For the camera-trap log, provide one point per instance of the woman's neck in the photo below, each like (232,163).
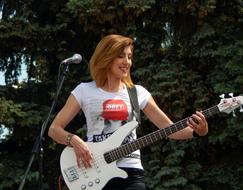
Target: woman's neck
(113,86)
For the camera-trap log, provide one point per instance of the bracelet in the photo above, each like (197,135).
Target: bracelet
(194,134)
(68,139)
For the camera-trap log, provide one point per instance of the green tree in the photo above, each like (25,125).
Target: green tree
(187,53)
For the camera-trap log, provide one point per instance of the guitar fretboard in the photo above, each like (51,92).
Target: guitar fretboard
(153,137)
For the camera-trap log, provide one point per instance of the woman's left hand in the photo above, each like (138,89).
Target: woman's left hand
(198,123)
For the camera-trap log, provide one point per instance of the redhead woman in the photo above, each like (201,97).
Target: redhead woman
(106,105)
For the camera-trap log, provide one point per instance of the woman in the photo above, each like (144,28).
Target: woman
(106,105)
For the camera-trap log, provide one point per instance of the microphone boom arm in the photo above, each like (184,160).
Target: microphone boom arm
(38,143)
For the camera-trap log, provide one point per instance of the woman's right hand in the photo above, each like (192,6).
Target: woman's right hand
(82,152)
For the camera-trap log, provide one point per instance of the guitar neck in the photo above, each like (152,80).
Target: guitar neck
(153,137)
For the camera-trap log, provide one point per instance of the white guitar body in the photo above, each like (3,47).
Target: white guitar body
(101,172)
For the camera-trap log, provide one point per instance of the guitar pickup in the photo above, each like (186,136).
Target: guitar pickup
(71,174)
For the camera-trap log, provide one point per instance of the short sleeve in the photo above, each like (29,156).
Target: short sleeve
(77,92)
(143,96)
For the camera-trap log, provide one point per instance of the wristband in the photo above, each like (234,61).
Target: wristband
(194,134)
(68,139)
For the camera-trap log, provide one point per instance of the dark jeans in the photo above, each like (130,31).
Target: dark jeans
(134,181)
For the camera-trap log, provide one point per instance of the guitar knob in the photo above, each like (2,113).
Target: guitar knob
(97,180)
(231,94)
(222,96)
(241,109)
(90,184)
(83,187)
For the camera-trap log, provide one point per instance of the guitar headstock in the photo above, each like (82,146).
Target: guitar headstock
(228,105)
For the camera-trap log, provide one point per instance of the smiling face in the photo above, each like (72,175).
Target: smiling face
(111,60)
(121,65)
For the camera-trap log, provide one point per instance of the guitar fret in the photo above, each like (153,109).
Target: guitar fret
(151,140)
(113,156)
(151,137)
(208,113)
(176,126)
(134,146)
(157,137)
(142,143)
(167,131)
(124,151)
(116,157)
(170,130)
(173,128)
(109,157)
(162,133)
(119,153)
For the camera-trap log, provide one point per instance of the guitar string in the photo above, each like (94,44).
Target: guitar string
(119,152)
(97,163)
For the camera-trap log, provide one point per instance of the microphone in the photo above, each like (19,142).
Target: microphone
(76,58)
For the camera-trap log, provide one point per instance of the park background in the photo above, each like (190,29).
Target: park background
(187,53)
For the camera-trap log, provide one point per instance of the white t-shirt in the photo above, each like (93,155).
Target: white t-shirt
(106,111)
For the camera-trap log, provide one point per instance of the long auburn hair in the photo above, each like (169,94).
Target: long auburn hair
(110,47)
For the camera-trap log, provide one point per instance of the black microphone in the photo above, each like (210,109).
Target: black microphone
(76,58)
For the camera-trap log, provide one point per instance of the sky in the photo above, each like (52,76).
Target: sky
(21,77)
(2,78)
(1,73)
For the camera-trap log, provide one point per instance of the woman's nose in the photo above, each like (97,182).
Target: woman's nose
(127,61)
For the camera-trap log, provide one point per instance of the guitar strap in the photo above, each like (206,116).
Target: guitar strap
(132,92)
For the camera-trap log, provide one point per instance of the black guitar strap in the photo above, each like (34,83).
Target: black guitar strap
(132,92)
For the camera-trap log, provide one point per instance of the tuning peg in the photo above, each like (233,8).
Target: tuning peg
(222,96)
(233,112)
(241,109)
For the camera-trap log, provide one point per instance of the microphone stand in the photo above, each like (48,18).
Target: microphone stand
(38,143)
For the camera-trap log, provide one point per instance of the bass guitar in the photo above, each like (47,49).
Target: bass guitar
(107,152)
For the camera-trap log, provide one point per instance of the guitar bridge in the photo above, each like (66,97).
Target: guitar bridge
(71,174)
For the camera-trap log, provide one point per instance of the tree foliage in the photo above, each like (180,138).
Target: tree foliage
(187,53)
